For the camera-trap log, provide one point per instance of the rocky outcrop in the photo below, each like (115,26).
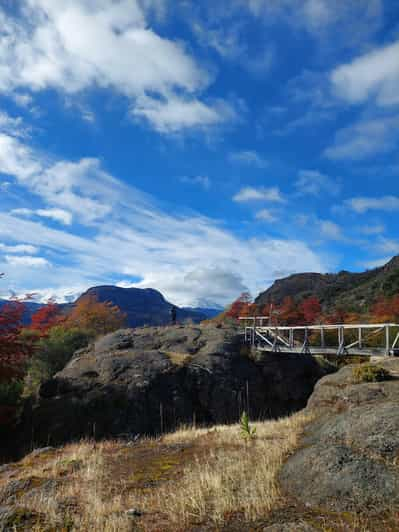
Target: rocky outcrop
(149,380)
(348,459)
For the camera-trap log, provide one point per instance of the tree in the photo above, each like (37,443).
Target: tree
(310,308)
(386,309)
(95,317)
(289,312)
(45,318)
(53,351)
(13,352)
(240,306)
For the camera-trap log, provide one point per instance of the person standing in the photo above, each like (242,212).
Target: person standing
(173,314)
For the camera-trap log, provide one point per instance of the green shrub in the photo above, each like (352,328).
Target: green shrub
(370,373)
(52,354)
(247,432)
(11,392)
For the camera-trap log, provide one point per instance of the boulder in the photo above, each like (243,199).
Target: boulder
(348,457)
(153,379)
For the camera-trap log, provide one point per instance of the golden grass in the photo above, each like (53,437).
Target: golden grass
(178,359)
(236,477)
(218,477)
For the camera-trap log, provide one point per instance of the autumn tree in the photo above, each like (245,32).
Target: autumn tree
(310,308)
(289,312)
(45,318)
(13,351)
(386,310)
(240,307)
(95,317)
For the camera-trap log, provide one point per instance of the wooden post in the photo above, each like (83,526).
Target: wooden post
(291,340)
(387,340)
(360,338)
(322,338)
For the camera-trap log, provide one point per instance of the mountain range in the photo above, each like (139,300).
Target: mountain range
(353,291)
(142,306)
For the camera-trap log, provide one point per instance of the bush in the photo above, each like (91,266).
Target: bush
(370,373)
(52,354)
(11,392)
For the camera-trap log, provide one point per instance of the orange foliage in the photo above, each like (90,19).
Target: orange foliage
(45,318)
(310,308)
(13,352)
(96,317)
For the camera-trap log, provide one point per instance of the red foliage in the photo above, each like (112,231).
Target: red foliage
(289,313)
(310,308)
(240,307)
(45,318)
(386,310)
(13,352)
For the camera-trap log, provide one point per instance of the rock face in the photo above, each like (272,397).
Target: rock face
(151,380)
(349,456)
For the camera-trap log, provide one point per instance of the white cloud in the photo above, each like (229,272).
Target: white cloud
(58,215)
(266,215)
(377,263)
(200,180)
(314,183)
(383,203)
(272,194)
(373,74)
(355,18)
(26,260)
(184,256)
(372,229)
(21,248)
(330,230)
(365,138)
(115,48)
(174,114)
(250,157)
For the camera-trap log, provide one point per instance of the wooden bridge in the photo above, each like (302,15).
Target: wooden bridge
(339,339)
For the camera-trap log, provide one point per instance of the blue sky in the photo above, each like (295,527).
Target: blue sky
(200,148)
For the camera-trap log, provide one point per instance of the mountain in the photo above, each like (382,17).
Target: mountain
(208,312)
(143,306)
(354,291)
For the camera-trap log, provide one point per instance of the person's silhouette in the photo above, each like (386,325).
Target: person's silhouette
(173,314)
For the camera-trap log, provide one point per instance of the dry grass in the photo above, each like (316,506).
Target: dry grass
(235,477)
(178,359)
(195,478)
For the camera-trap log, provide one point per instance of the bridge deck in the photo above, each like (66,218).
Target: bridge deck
(284,339)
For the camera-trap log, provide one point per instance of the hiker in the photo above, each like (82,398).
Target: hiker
(173,314)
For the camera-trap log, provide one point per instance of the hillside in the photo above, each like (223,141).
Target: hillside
(354,291)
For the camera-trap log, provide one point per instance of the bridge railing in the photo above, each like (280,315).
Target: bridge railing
(277,338)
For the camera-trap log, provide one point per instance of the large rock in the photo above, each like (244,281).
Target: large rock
(349,456)
(153,379)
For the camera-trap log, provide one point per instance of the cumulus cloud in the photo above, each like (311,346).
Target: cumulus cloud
(314,183)
(20,248)
(266,215)
(362,17)
(364,204)
(113,48)
(199,180)
(330,230)
(58,215)
(375,74)
(365,138)
(249,157)
(248,194)
(26,260)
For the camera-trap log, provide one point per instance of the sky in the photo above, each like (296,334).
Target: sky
(200,148)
